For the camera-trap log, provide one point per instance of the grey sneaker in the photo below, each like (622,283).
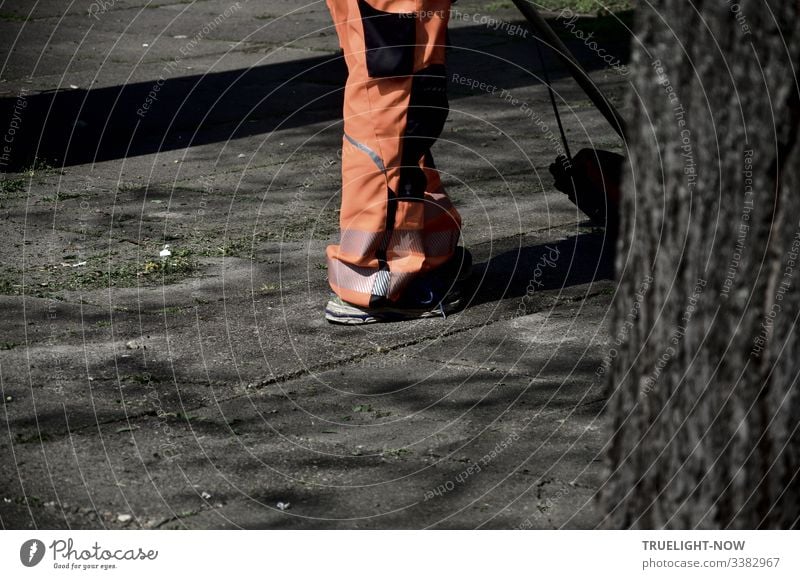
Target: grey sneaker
(436,294)
(338,311)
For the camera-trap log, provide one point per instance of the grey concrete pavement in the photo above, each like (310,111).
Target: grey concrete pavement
(202,390)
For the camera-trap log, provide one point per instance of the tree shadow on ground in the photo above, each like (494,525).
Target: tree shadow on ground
(79,126)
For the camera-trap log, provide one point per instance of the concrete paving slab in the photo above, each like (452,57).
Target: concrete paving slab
(204,388)
(287,442)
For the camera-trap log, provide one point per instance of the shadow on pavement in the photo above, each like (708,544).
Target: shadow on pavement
(577,260)
(74,127)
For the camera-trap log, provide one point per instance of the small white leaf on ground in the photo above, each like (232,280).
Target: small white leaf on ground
(165,252)
(124,518)
(205,495)
(283,506)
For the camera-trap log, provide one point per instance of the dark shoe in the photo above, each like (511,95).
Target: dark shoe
(458,267)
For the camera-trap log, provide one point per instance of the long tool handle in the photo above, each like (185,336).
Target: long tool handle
(539,25)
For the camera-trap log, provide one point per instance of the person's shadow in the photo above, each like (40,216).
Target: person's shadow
(577,260)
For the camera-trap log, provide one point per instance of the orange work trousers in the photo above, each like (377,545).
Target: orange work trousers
(396,220)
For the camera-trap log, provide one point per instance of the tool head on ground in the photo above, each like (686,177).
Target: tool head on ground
(591,179)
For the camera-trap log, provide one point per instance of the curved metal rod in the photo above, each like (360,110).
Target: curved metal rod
(540,26)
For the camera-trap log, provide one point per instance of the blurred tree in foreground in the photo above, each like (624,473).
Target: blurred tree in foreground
(704,356)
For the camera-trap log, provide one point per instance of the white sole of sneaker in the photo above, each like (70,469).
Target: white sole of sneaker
(338,313)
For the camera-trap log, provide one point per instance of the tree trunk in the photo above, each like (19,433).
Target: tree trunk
(704,356)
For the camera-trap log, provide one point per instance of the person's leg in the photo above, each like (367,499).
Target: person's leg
(442,221)
(396,221)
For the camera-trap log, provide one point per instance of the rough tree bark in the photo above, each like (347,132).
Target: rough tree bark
(704,356)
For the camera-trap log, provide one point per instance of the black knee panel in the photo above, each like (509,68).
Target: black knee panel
(428,106)
(427,112)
